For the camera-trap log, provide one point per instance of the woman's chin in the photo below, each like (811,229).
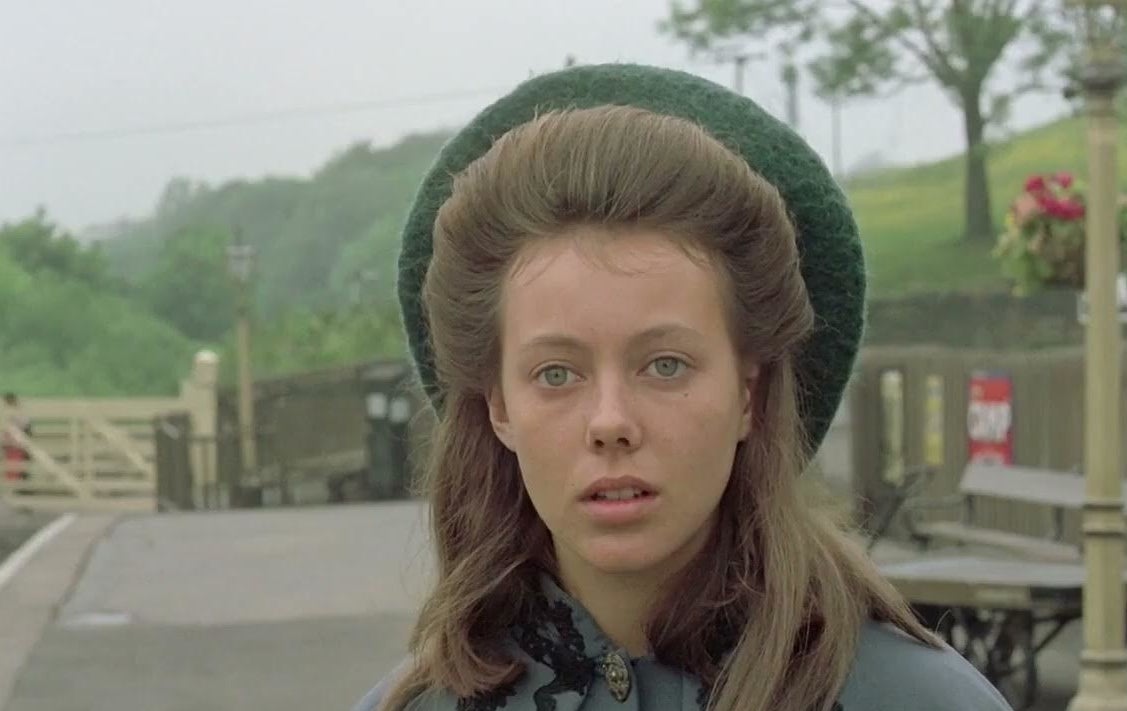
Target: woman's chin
(622,560)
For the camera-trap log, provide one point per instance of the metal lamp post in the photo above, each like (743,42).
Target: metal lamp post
(1103,663)
(240,261)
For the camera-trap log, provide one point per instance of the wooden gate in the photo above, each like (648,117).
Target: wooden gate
(88,455)
(99,453)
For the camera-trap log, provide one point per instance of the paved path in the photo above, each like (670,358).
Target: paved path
(16,527)
(282,609)
(285,609)
(31,594)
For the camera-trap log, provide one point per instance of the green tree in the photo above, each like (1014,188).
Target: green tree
(189,286)
(319,240)
(307,340)
(178,194)
(63,335)
(38,245)
(959,45)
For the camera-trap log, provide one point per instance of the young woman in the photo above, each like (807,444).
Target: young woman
(634,299)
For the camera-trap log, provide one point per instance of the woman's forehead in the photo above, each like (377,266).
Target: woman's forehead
(560,291)
(620,250)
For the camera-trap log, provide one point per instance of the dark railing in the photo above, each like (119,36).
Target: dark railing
(349,434)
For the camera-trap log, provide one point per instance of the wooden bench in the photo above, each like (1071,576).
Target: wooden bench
(1057,491)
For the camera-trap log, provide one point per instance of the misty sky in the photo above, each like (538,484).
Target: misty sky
(78,67)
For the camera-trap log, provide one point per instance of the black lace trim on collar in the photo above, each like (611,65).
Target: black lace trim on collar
(547,633)
(550,637)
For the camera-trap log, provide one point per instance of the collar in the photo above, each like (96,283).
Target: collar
(559,633)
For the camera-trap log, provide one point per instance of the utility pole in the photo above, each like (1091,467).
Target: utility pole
(790,81)
(835,109)
(740,62)
(739,59)
(241,263)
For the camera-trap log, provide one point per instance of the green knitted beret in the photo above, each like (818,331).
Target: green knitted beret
(832,262)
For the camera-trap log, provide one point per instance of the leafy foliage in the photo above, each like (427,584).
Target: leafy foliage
(305,340)
(189,286)
(38,245)
(710,25)
(318,241)
(64,330)
(325,267)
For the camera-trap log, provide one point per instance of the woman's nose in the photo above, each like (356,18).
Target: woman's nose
(612,424)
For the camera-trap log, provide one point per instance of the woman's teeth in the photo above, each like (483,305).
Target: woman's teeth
(619,494)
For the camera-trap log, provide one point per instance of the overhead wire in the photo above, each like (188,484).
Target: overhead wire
(247,119)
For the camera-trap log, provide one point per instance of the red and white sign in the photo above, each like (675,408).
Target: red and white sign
(990,431)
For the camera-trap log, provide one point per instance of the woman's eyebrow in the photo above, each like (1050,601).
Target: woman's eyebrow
(654,333)
(663,331)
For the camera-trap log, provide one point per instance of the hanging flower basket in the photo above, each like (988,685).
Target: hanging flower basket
(1043,244)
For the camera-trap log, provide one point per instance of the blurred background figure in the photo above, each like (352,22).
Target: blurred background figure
(13,419)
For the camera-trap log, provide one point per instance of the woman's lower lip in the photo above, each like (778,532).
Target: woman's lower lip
(619,511)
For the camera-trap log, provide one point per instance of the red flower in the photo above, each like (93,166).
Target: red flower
(1035,184)
(1073,210)
(1067,210)
(1064,180)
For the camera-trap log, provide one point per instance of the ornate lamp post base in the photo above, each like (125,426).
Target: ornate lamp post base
(1103,683)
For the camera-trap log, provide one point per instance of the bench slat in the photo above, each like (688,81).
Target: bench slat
(1038,547)
(1025,484)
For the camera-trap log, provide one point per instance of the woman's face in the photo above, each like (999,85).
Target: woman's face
(623,398)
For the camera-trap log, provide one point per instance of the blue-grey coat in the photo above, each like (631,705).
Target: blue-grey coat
(573,666)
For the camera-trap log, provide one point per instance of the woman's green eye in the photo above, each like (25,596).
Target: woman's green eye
(667,367)
(554,376)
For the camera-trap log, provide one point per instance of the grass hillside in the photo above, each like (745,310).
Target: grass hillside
(911,218)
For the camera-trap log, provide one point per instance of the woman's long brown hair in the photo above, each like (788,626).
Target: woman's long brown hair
(785,589)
